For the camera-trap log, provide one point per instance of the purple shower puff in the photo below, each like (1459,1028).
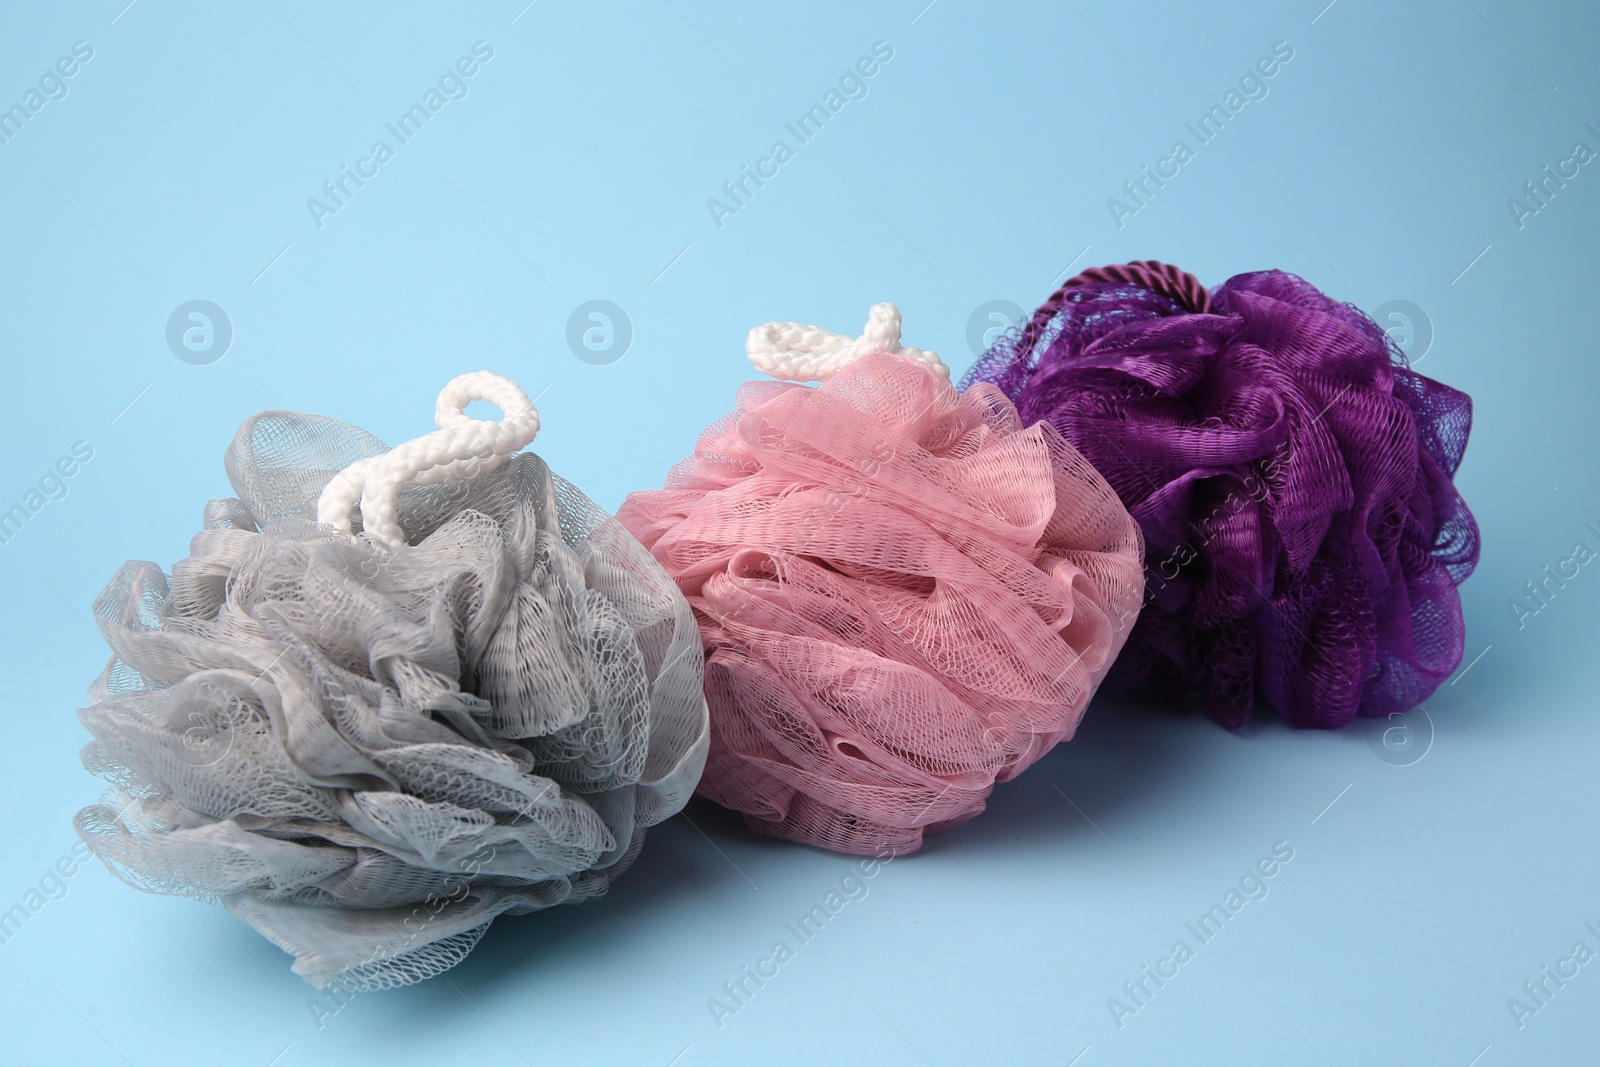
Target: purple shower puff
(1292,475)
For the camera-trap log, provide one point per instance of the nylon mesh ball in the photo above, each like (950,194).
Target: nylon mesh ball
(369,752)
(1292,474)
(905,596)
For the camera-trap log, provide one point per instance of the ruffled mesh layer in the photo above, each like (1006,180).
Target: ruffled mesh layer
(368,755)
(905,597)
(1293,480)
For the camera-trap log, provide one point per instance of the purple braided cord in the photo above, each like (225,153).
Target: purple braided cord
(1174,282)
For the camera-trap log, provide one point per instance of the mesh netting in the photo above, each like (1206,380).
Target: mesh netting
(1292,476)
(367,754)
(905,597)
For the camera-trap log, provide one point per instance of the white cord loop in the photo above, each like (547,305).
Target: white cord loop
(799,353)
(461,447)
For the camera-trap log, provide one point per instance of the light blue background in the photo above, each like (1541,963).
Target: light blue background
(977,168)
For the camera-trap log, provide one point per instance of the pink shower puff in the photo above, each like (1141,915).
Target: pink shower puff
(904,597)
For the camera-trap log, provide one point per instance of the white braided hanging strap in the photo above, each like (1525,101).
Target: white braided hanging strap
(461,447)
(799,353)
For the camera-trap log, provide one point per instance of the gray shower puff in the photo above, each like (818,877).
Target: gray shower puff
(369,754)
